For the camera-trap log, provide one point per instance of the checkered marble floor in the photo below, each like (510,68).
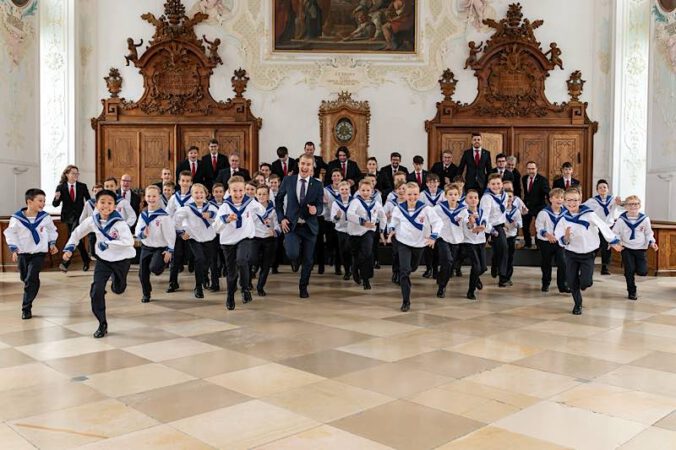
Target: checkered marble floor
(342,370)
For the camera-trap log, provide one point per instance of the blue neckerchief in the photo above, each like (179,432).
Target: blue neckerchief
(394,201)
(553,217)
(164,199)
(215,203)
(577,218)
(366,206)
(198,212)
(113,218)
(32,227)
(461,201)
(510,214)
(148,216)
(500,200)
(92,203)
(604,204)
(118,198)
(268,210)
(182,201)
(239,212)
(480,216)
(633,225)
(452,213)
(344,208)
(334,194)
(432,200)
(419,206)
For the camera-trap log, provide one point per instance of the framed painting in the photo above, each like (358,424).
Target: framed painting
(338,26)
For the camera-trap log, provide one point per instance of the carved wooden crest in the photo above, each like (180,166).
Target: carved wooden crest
(345,122)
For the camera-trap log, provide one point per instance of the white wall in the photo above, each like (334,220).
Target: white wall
(398,111)
(20,113)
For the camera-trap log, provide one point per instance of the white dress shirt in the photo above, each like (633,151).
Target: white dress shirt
(413,226)
(585,226)
(244,228)
(635,233)
(452,219)
(30,234)
(190,218)
(114,241)
(361,212)
(161,229)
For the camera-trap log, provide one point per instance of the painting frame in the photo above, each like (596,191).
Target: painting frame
(334,45)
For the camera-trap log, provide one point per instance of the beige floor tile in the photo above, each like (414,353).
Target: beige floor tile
(264,380)
(81,425)
(380,328)
(12,440)
(155,438)
(392,424)
(27,375)
(324,437)
(642,379)
(654,329)
(10,357)
(515,399)
(171,349)
(197,327)
(27,337)
(663,361)
(566,364)
(330,363)
(668,422)
(64,348)
(464,404)
(45,397)
(449,364)
(209,364)
(97,362)
(394,380)
(525,381)
(656,438)
(244,426)
(553,422)
(388,349)
(133,380)
(496,350)
(566,328)
(327,400)
(619,402)
(607,351)
(491,438)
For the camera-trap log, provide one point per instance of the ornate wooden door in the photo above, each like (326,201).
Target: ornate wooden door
(531,146)
(566,146)
(120,152)
(156,153)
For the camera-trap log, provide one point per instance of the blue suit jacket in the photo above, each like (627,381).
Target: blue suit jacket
(294,210)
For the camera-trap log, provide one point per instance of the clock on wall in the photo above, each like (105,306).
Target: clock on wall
(345,121)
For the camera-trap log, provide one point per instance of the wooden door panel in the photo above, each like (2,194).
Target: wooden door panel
(454,142)
(532,146)
(566,147)
(121,153)
(234,140)
(155,154)
(198,136)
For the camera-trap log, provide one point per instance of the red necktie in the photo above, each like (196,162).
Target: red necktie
(477,157)
(419,176)
(214,162)
(567,184)
(344,171)
(284,169)
(193,170)
(72,193)
(530,185)
(124,194)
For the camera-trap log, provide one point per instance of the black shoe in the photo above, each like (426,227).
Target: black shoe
(479,284)
(564,291)
(502,284)
(395,278)
(604,270)
(304,293)
(427,273)
(367,285)
(338,271)
(230,302)
(250,286)
(261,292)
(191,267)
(145,299)
(458,272)
(294,267)
(214,288)
(471,296)
(441,292)
(356,277)
(494,272)
(181,269)
(254,271)
(275,270)
(320,270)
(173,287)
(544,288)
(347,276)
(246,297)
(630,297)
(577,310)
(199,293)
(377,265)
(25,315)
(101,331)
(405,307)
(63,268)
(85,267)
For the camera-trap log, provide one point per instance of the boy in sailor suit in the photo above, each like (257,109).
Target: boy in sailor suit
(494,205)
(193,225)
(512,225)
(267,231)
(636,235)
(331,194)
(578,232)
(431,196)
(390,205)
(378,197)
(88,211)
(155,229)
(338,215)
(236,226)
(168,189)
(452,214)
(363,216)
(416,226)
(218,260)
(475,226)
(122,205)
(30,235)
(115,248)
(606,207)
(545,223)
(181,198)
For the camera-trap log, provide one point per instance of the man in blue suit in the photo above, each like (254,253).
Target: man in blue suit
(299,201)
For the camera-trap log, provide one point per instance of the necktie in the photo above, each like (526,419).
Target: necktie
(344,170)
(530,185)
(500,172)
(284,169)
(124,194)
(567,184)
(214,162)
(193,170)
(477,157)
(72,193)
(419,177)
(302,190)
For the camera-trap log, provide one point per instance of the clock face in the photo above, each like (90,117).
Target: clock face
(344,130)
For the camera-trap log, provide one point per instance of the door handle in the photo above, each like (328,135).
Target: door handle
(579,161)
(168,154)
(109,154)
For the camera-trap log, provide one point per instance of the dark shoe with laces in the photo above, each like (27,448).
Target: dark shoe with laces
(27,314)
(441,292)
(230,302)
(405,307)
(101,331)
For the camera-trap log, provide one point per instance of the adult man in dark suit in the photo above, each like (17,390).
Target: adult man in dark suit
(298,203)
(126,191)
(212,163)
(566,179)
(501,168)
(386,174)
(283,165)
(350,170)
(445,168)
(535,195)
(319,164)
(419,175)
(233,169)
(193,165)
(73,195)
(516,175)
(475,165)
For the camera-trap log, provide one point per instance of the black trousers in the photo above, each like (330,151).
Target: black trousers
(477,257)
(104,270)
(409,260)
(80,246)
(376,242)
(527,219)
(604,250)
(238,258)
(320,245)
(579,273)
(279,251)
(635,263)
(548,251)
(202,256)
(500,258)
(216,263)
(362,254)
(395,255)
(511,247)
(448,255)
(91,244)
(180,250)
(30,265)
(264,249)
(152,261)
(343,251)
(299,244)
(331,239)
(432,259)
